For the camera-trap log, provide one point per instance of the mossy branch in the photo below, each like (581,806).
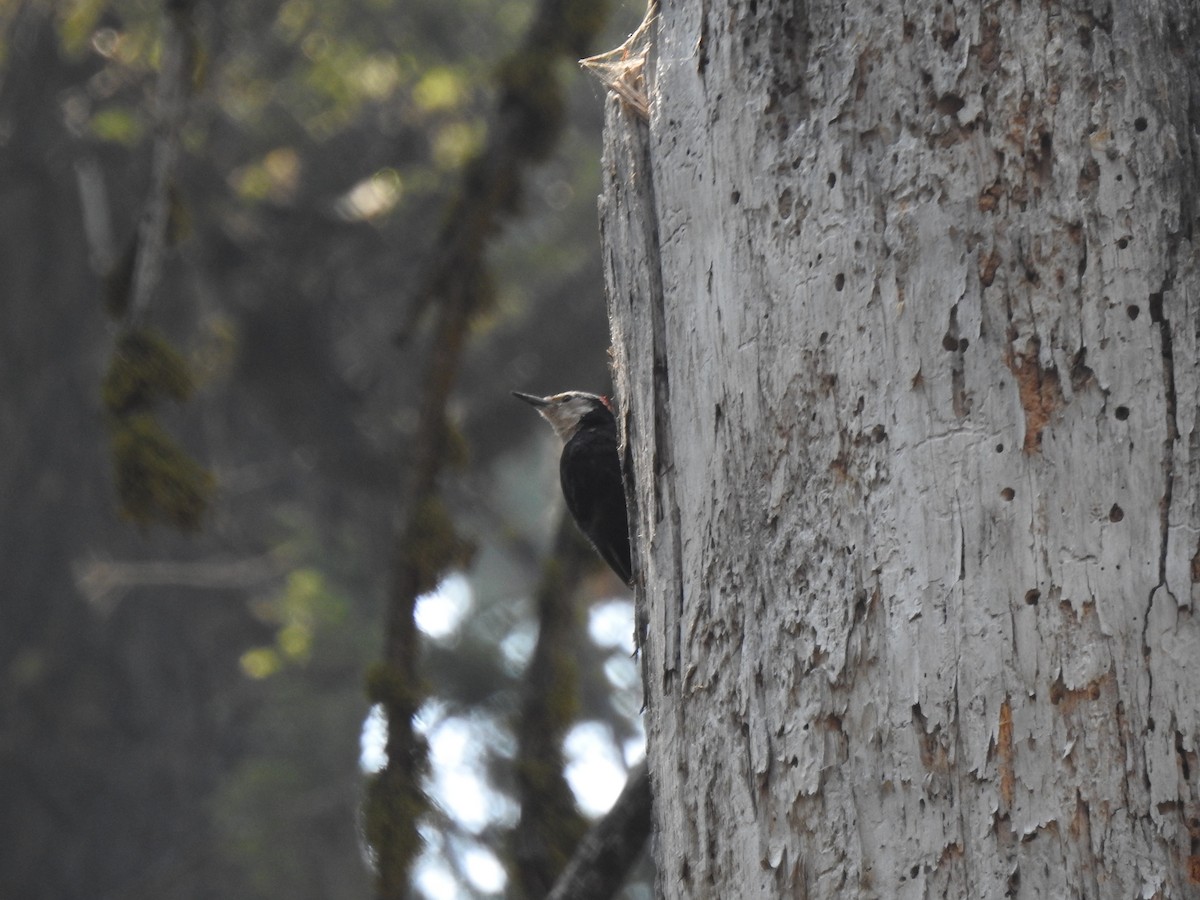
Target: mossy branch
(156,480)
(550,824)
(144,369)
(457,288)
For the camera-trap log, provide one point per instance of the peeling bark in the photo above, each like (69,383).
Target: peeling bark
(906,320)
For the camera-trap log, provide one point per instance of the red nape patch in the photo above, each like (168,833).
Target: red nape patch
(608,403)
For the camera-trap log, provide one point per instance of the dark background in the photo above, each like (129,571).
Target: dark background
(180,713)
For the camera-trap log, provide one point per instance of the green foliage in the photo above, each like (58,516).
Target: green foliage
(454,143)
(286,814)
(306,606)
(440,88)
(78,23)
(117,125)
(156,481)
(144,368)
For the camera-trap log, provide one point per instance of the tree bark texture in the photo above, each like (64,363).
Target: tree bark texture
(905,307)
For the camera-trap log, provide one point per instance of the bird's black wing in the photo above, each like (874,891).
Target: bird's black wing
(590,472)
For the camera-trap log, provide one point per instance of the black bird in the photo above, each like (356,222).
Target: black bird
(590,471)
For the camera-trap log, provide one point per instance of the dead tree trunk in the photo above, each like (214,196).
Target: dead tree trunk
(905,308)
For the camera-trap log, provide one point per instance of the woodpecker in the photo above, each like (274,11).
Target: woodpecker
(590,471)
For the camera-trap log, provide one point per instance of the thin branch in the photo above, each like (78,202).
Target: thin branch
(105,582)
(97,218)
(608,851)
(523,131)
(155,479)
(456,286)
(174,88)
(550,824)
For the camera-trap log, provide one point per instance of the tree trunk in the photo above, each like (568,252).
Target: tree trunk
(905,309)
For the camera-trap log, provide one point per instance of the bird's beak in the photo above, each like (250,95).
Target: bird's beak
(531,399)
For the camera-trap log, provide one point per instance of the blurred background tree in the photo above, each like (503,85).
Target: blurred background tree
(182,714)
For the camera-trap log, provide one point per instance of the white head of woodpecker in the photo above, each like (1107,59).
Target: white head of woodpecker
(567,412)
(590,471)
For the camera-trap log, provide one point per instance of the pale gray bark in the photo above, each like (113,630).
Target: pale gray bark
(174,87)
(905,312)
